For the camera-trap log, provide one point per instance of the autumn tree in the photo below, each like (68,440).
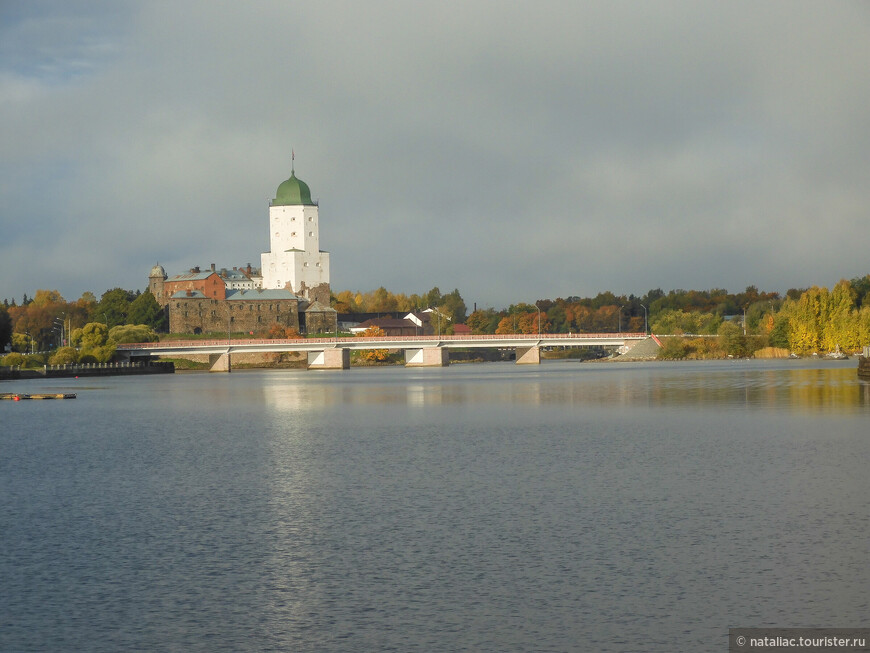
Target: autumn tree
(840,325)
(374,355)
(483,321)
(804,319)
(47,298)
(280,332)
(345,302)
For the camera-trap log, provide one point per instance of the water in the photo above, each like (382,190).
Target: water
(561,507)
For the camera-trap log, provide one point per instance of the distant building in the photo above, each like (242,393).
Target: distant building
(416,323)
(291,290)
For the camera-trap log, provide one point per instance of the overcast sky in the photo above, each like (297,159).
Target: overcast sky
(513,150)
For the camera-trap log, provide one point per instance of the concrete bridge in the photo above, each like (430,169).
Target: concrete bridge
(420,351)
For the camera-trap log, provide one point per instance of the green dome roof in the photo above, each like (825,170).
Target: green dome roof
(291,192)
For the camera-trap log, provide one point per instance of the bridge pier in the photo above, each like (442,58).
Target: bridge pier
(427,357)
(219,362)
(329,359)
(528,355)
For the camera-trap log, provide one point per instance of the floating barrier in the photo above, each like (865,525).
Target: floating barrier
(22,397)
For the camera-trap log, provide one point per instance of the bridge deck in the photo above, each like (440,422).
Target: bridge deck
(169,347)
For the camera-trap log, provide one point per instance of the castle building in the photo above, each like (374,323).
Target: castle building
(295,260)
(293,290)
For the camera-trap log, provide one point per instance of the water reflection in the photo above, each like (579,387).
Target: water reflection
(755,385)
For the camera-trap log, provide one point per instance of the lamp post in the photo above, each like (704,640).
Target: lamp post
(539,317)
(645,327)
(61,323)
(619,320)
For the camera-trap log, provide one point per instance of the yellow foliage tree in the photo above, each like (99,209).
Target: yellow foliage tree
(374,355)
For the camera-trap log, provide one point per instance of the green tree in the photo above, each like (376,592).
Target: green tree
(5,328)
(124,333)
(733,341)
(91,335)
(433,298)
(21,342)
(114,306)
(779,334)
(861,286)
(453,306)
(14,359)
(64,356)
(145,310)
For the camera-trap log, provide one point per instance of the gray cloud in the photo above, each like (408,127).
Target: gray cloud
(512,151)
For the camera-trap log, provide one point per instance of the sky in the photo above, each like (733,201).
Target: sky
(513,150)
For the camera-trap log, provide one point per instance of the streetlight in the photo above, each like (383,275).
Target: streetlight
(539,317)
(619,319)
(61,325)
(645,328)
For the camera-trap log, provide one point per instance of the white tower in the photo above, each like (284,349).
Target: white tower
(295,261)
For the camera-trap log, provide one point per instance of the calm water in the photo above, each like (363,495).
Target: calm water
(561,507)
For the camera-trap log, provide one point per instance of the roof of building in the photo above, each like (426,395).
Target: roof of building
(317,307)
(388,323)
(261,294)
(157,271)
(192,276)
(234,274)
(293,192)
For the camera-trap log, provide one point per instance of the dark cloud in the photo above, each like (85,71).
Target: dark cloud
(512,151)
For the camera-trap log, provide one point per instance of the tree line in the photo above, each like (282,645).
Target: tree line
(89,327)
(804,320)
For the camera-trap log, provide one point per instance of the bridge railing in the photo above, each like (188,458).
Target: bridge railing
(386,339)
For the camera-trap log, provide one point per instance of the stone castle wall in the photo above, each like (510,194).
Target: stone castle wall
(196,315)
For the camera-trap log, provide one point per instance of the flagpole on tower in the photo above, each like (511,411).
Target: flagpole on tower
(292,159)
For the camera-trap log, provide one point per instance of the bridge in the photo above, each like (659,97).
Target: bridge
(334,353)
